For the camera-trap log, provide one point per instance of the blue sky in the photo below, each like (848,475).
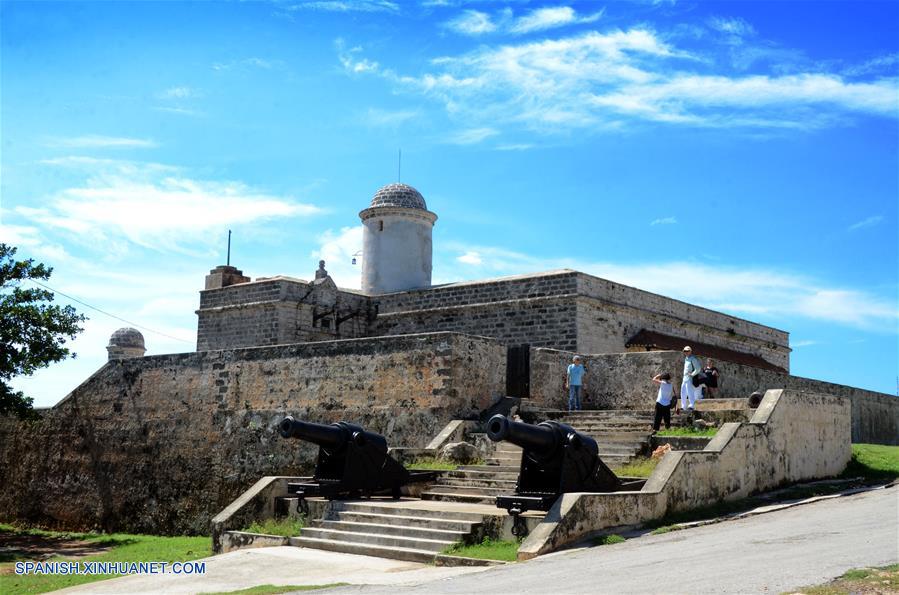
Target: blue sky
(738,155)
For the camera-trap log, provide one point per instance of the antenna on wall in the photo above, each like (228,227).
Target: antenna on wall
(399,166)
(228,261)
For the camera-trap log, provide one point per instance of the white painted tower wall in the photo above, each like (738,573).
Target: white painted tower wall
(396,249)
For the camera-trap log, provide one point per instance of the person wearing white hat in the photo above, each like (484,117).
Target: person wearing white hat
(688,392)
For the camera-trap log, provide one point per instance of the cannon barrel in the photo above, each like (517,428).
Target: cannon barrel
(331,436)
(542,437)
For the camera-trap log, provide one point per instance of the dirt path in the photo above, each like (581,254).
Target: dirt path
(15,547)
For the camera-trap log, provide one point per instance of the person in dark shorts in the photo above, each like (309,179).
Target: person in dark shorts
(712,377)
(664,401)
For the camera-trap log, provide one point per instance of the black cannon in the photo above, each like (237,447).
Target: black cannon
(352,462)
(556,459)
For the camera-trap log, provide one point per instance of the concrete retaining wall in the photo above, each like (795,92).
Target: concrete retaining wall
(792,437)
(160,444)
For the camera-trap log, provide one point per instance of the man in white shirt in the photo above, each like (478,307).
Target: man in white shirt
(692,367)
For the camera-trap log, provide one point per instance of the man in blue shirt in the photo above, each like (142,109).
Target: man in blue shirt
(574,381)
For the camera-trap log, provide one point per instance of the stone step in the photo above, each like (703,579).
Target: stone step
(408,531)
(378,539)
(409,520)
(495,461)
(463,489)
(464,498)
(475,483)
(453,515)
(619,449)
(364,549)
(494,468)
(511,475)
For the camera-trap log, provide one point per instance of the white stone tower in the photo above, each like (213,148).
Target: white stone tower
(396,240)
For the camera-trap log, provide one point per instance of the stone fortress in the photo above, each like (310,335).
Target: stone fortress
(162,443)
(563,309)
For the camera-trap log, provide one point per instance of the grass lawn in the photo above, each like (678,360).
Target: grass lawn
(861,580)
(276,589)
(489,549)
(873,461)
(640,467)
(432,464)
(286,527)
(123,547)
(688,432)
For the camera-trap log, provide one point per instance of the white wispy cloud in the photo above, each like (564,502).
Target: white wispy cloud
(888,62)
(181,111)
(178,93)
(732,26)
(471,136)
(472,22)
(97,141)
(381,117)
(664,221)
(803,343)
(343,6)
(153,206)
(600,81)
(475,22)
(869,222)
(248,63)
(351,62)
(542,19)
(470,257)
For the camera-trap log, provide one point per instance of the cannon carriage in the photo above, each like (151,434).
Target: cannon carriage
(556,459)
(352,462)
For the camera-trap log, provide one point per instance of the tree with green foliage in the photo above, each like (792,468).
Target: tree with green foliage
(33,331)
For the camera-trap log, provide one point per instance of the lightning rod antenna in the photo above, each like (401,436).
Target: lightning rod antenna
(228,261)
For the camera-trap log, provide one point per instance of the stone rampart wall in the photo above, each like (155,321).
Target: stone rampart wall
(539,321)
(162,443)
(279,311)
(624,381)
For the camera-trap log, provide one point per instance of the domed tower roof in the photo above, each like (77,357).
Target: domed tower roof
(399,195)
(127,337)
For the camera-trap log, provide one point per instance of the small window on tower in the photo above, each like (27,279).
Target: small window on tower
(326,323)
(380,226)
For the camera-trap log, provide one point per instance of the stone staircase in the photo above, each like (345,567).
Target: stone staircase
(410,530)
(621,434)
(480,484)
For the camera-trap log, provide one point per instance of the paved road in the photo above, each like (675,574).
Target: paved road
(771,553)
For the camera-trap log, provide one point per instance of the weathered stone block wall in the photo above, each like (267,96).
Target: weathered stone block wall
(610,313)
(539,310)
(792,437)
(279,311)
(162,443)
(624,381)
(612,381)
(559,309)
